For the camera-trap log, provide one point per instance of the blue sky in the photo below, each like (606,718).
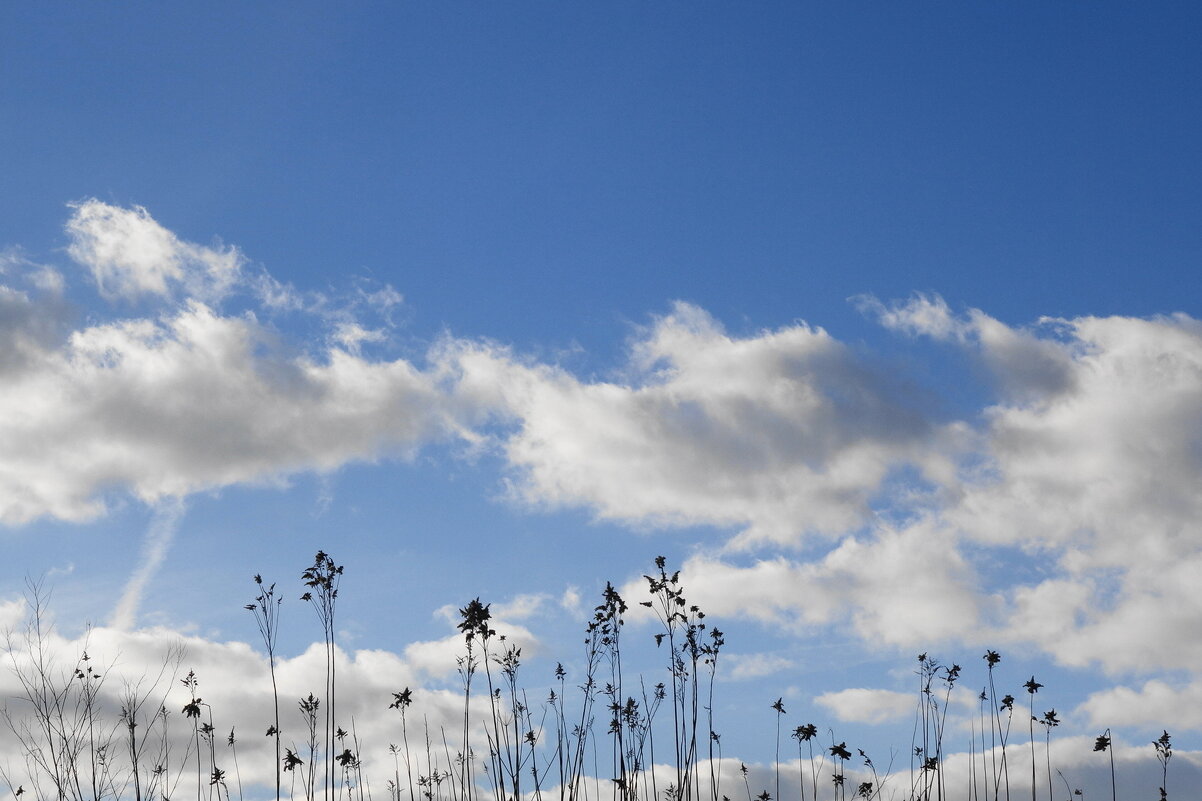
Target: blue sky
(882,321)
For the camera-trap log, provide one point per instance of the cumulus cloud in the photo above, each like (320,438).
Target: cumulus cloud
(1069,524)
(522,606)
(1122,447)
(12,612)
(130,255)
(194,401)
(189,398)
(1095,481)
(863,705)
(896,586)
(777,434)
(1027,366)
(741,667)
(1155,703)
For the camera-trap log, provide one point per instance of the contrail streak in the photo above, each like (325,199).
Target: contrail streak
(163,525)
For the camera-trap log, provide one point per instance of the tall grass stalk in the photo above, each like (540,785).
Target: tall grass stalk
(805,734)
(1164,752)
(1049,721)
(322,578)
(266,611)
(1032,687)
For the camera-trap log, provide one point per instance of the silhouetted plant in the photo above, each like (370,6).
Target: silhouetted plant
(929,725)
(191,711)
(474,622)
(1007,704)
(710,651)
(805,734)
(839,752)
(684,631)
(94,759)
(873,788)
(322,579)
(308,707)
(266,611)
(1164,752)
(70,751)
(401,702)
(231,742)
(1032,687)
(1049,721)
(778,707)
(995,724)
(1103,743)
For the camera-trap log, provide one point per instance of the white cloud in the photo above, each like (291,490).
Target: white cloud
(928,315)
(741,667)
(1096,479)
(189,399)
(905,587)
(863,705)
(1026,366)
(1085,472)
(1120,446)
(191,402)
(12,612)
(778,434)
(130,255)
(570,601)
(439,658)
(1154,704)
(521,606)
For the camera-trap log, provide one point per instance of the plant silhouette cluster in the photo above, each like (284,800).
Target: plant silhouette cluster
(604,734)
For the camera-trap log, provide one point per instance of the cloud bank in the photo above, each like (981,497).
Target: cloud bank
(1060,515)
